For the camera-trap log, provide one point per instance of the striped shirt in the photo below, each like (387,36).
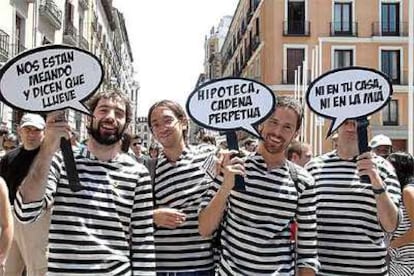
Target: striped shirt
(104,229)
(350,237)
(255,233)
(403,255)
(180,185)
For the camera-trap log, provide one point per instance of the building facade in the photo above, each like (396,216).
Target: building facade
(92,25)
(269,39)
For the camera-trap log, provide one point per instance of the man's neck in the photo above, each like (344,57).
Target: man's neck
(272,160)
(174,153)
(103,152)
(347,152)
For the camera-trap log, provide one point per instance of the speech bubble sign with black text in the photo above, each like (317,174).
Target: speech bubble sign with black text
(230,104)
(50,78)
(348,93)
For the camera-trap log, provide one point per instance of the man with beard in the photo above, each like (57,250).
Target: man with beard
(106,228)
(255,234)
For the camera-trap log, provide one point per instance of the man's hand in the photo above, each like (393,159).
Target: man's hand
(168,217)
(56,128)
(367,166)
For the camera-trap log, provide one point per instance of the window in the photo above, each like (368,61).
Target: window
(342,24)
(390,114)
(294,59)
(296,17)
(390,65)
(390,19)
(343,58)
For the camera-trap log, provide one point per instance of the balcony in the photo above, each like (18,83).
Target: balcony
(341,28)
(288,76)
(83,43)
(390,29)
(84,4)
(4,46)
(51,12)
(296,28)
(70,34)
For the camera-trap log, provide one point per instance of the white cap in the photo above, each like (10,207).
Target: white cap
(380,140)
(33,120)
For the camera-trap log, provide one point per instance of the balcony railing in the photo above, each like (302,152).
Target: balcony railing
(395,29)
(296,28)
(51,12)
(4,46)
(70,34)
(288,76)
(341,28)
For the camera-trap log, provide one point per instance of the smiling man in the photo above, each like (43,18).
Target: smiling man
(179,183)
(106,228)
(255,233)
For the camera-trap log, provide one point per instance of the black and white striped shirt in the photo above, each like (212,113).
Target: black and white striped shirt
(350,237)
(104,229)
(256,229)
(403,255)
(180,185)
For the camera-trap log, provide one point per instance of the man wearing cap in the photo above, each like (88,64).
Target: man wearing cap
(381,145)
(29,245)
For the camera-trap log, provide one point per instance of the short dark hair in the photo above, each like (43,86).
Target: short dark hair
(292,103)
(294,147)
(115,94)
(403,163)
(175,108)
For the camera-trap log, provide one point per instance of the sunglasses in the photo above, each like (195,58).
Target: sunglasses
(135,144)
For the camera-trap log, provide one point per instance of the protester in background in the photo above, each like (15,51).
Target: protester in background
(401,248)
(179,183)
(6,224)
(154,150)
(255,233)
(352,213)
(136,147)
(10,142)
(104,226)
(250,145)
(299,153)
(381,145)
(208,143)
(29,248)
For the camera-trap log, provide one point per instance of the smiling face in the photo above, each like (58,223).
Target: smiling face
(167,128)
(109,121)
(279,130)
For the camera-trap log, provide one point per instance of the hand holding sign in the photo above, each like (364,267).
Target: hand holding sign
(50,78)
(230,104)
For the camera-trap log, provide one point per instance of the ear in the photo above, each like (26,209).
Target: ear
(295,157)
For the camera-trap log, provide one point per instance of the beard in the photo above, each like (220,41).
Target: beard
(103,138)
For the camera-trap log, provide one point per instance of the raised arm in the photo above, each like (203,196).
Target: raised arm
(34,185)
(211,216)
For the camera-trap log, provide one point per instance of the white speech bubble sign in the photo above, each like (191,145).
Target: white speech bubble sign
(49,78)
(348,93)
(231,104)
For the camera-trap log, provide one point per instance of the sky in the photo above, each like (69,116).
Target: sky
(167,42)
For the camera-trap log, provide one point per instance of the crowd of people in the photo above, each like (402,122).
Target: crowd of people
(161,211)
